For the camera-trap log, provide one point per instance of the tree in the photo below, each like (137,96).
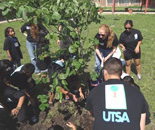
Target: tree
(75,16)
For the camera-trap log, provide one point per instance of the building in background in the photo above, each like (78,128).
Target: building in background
(106,3)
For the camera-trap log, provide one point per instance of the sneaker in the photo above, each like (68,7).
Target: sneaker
(34,119)
(139,76)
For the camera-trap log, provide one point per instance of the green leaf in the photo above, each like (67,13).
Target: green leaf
(64,82)
(76,64)
(60,96)
(44,80)
(58,89)
(81,61)
(5,12)
(37,81)
(73,34)
(56,16)
(45,10)
(2,6)
(65,87)
(46,19)
(35,20)
(75,2)
(72,49)
(42,107)
(73,72)
(52,88)
(43,100)
(62,76)
(93,75)
(67,71)
(54,75)
(55,81)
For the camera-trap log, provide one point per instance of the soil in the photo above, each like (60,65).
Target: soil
(61,113)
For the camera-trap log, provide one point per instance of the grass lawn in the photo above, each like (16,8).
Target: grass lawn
(144,22)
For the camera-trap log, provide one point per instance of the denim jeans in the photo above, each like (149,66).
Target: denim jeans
(104,53)
(31,47)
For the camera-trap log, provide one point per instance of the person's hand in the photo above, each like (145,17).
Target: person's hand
(58,42)
(71,125)
(137,50)
(81,95)
(123,48)
(15,111)
(105,59)
(102,62)
(10,58)
(75,98)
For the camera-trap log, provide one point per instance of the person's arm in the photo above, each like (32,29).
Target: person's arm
(25,34)
(9,55)
(81,94)
(142,121)
(98,53)
(137,47)
(122,46)
(69,94)
(111,53)
(16,110)
(71,125)
(29,96)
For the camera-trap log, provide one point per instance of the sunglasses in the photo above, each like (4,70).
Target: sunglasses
(127,28)
(102,35)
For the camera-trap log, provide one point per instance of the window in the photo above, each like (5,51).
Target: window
(135,1)
(124,1)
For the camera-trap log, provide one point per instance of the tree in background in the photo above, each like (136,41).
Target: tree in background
(75,17)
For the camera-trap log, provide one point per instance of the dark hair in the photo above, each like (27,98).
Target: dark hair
(28,68)
(128,22)
(56,127)
(5,68)
(113,66)
(7,30)
(129,80)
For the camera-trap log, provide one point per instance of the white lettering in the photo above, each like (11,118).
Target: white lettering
(113,116)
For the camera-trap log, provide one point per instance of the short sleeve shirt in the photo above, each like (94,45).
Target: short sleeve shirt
(103,43)
(12,44)
(20,80)
(130,40)
(116,106)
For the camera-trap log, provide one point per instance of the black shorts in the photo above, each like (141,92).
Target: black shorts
(131,55)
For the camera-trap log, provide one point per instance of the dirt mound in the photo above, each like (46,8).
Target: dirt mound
(60,114)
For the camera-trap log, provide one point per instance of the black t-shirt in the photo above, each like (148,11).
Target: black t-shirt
(116,106)
(130,40)
(20,80)
(12,44)
(26,27)
(103,43)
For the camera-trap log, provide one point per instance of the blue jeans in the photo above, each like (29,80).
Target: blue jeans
(104,53)
(31,47)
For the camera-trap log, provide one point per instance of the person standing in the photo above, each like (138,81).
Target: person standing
(32,31)
(130,41)
(107,46)
(115,104)
(12,47)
